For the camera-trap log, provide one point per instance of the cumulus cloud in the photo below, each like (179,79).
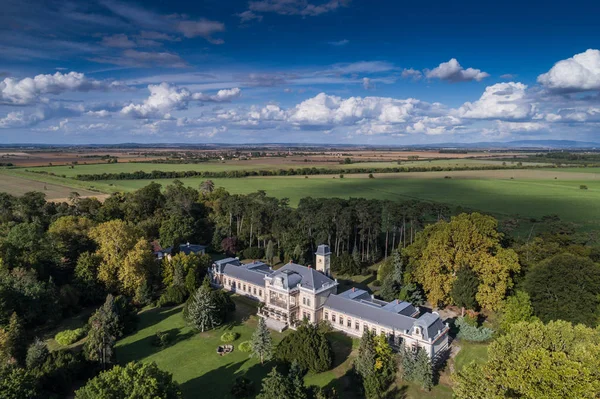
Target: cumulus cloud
(452,71)
(411,74)
(295,7)
(504,101)
(578,73)
(165,98)
(21,119)
(29,90)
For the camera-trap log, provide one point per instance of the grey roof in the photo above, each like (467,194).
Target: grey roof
(369,312)
(431,324)
(220,264)
(404,308)
(355,294)
(185,248)
(248,274)
(323,250)
(308,277)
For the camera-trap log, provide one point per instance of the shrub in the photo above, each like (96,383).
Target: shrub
(377,283)
(174,295)
(371,176)
(245,346)
(162,339)
(472,333)
(253,253)
(309,346)
(68,337)
(583,187)
(229,336)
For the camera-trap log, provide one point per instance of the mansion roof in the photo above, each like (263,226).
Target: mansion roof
(293,275)
(399,316)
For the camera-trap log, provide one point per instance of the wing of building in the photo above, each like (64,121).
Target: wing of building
(295,292)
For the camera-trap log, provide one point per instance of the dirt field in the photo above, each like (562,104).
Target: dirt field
(54,192)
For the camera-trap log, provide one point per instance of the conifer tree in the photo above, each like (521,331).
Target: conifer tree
(36,354)
(423,372)
(12,343)
(296,377)
(261,343)
(274,386)
(270,252)
(202,311)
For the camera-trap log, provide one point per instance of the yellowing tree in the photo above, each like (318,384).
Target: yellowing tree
(137,267)
(115,239)
(468,240)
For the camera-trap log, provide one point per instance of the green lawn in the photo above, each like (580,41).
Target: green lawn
(470,352)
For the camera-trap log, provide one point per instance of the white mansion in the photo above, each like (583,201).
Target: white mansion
(295,292)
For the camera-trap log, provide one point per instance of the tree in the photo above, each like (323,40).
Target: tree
(12,342)
(270,252)
(135,380)
(274,386)
(115,239)
(242,388)
(86,278)
(516,308)
(177,229)
(464,289)
(375,364)
(296,384)
(202,311)
(309,346)
(565,287)
(207,187)
(535,360)
(36,354)
(467,241)
(423,372)
(138,266)
(70,233)
(261,343)
(17,383)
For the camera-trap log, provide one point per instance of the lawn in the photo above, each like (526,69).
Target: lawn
(470,352)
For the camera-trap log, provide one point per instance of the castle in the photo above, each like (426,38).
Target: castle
(295,292)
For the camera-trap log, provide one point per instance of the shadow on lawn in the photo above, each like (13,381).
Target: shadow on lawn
(145,347)
(217,383)
(155,315)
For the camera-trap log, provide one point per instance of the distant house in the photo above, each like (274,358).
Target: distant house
(295,292)
(187,249)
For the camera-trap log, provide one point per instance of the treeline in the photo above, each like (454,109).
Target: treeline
(159,174)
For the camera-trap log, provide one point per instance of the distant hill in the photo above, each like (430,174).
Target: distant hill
(540,144)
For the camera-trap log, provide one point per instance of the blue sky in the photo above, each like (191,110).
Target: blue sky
(312,71)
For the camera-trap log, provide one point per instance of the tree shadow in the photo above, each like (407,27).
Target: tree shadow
(147,346)
(217,383)
(156,315)
(341,344)
(398,392)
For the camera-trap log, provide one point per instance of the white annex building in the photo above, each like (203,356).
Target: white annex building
(295,292)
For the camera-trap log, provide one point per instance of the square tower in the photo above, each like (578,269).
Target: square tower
(323,260)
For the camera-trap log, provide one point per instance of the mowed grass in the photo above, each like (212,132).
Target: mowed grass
(231,165)
(470,352)
(502,197)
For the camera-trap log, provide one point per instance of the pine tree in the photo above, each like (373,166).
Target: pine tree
(261,343)
(203,312)
(296,377)
(105,327)
(274,386)
(270,252)
(12,343)
(423,372)
(465,289)
(36,354)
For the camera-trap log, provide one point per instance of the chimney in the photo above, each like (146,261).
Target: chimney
(353,289)
(188,244)
(308,266)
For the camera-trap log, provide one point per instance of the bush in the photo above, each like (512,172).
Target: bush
(162,339)
(472,333)
(174,295)
(68,337)
(245,346)
(253,253)
(308,346)
(583,187)
(377,283)
(229,336)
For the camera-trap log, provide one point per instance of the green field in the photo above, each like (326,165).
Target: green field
(504,197)
(69,171)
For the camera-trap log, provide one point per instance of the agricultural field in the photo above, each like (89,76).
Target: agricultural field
(258,164)
(17,185)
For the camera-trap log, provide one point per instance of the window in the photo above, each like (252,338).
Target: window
(259,292)
(304,300)
(333,317)
(349,323)
(326,315)
(365,327)
(254,290)
(244,288)
(356,325)
(307,301)
(341,320)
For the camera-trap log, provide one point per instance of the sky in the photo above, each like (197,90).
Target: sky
(298,71)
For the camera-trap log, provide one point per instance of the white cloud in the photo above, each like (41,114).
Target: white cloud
(165,98)
(201,28)
(296,7)
(368,84)
(29,90)
(411,74)
(339,43)
(144,59)
(505,101)
(119,41)
(248,16)
(362,67)
(21,119)
(578,73)
(452,71)
(100,114)
(508,76)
